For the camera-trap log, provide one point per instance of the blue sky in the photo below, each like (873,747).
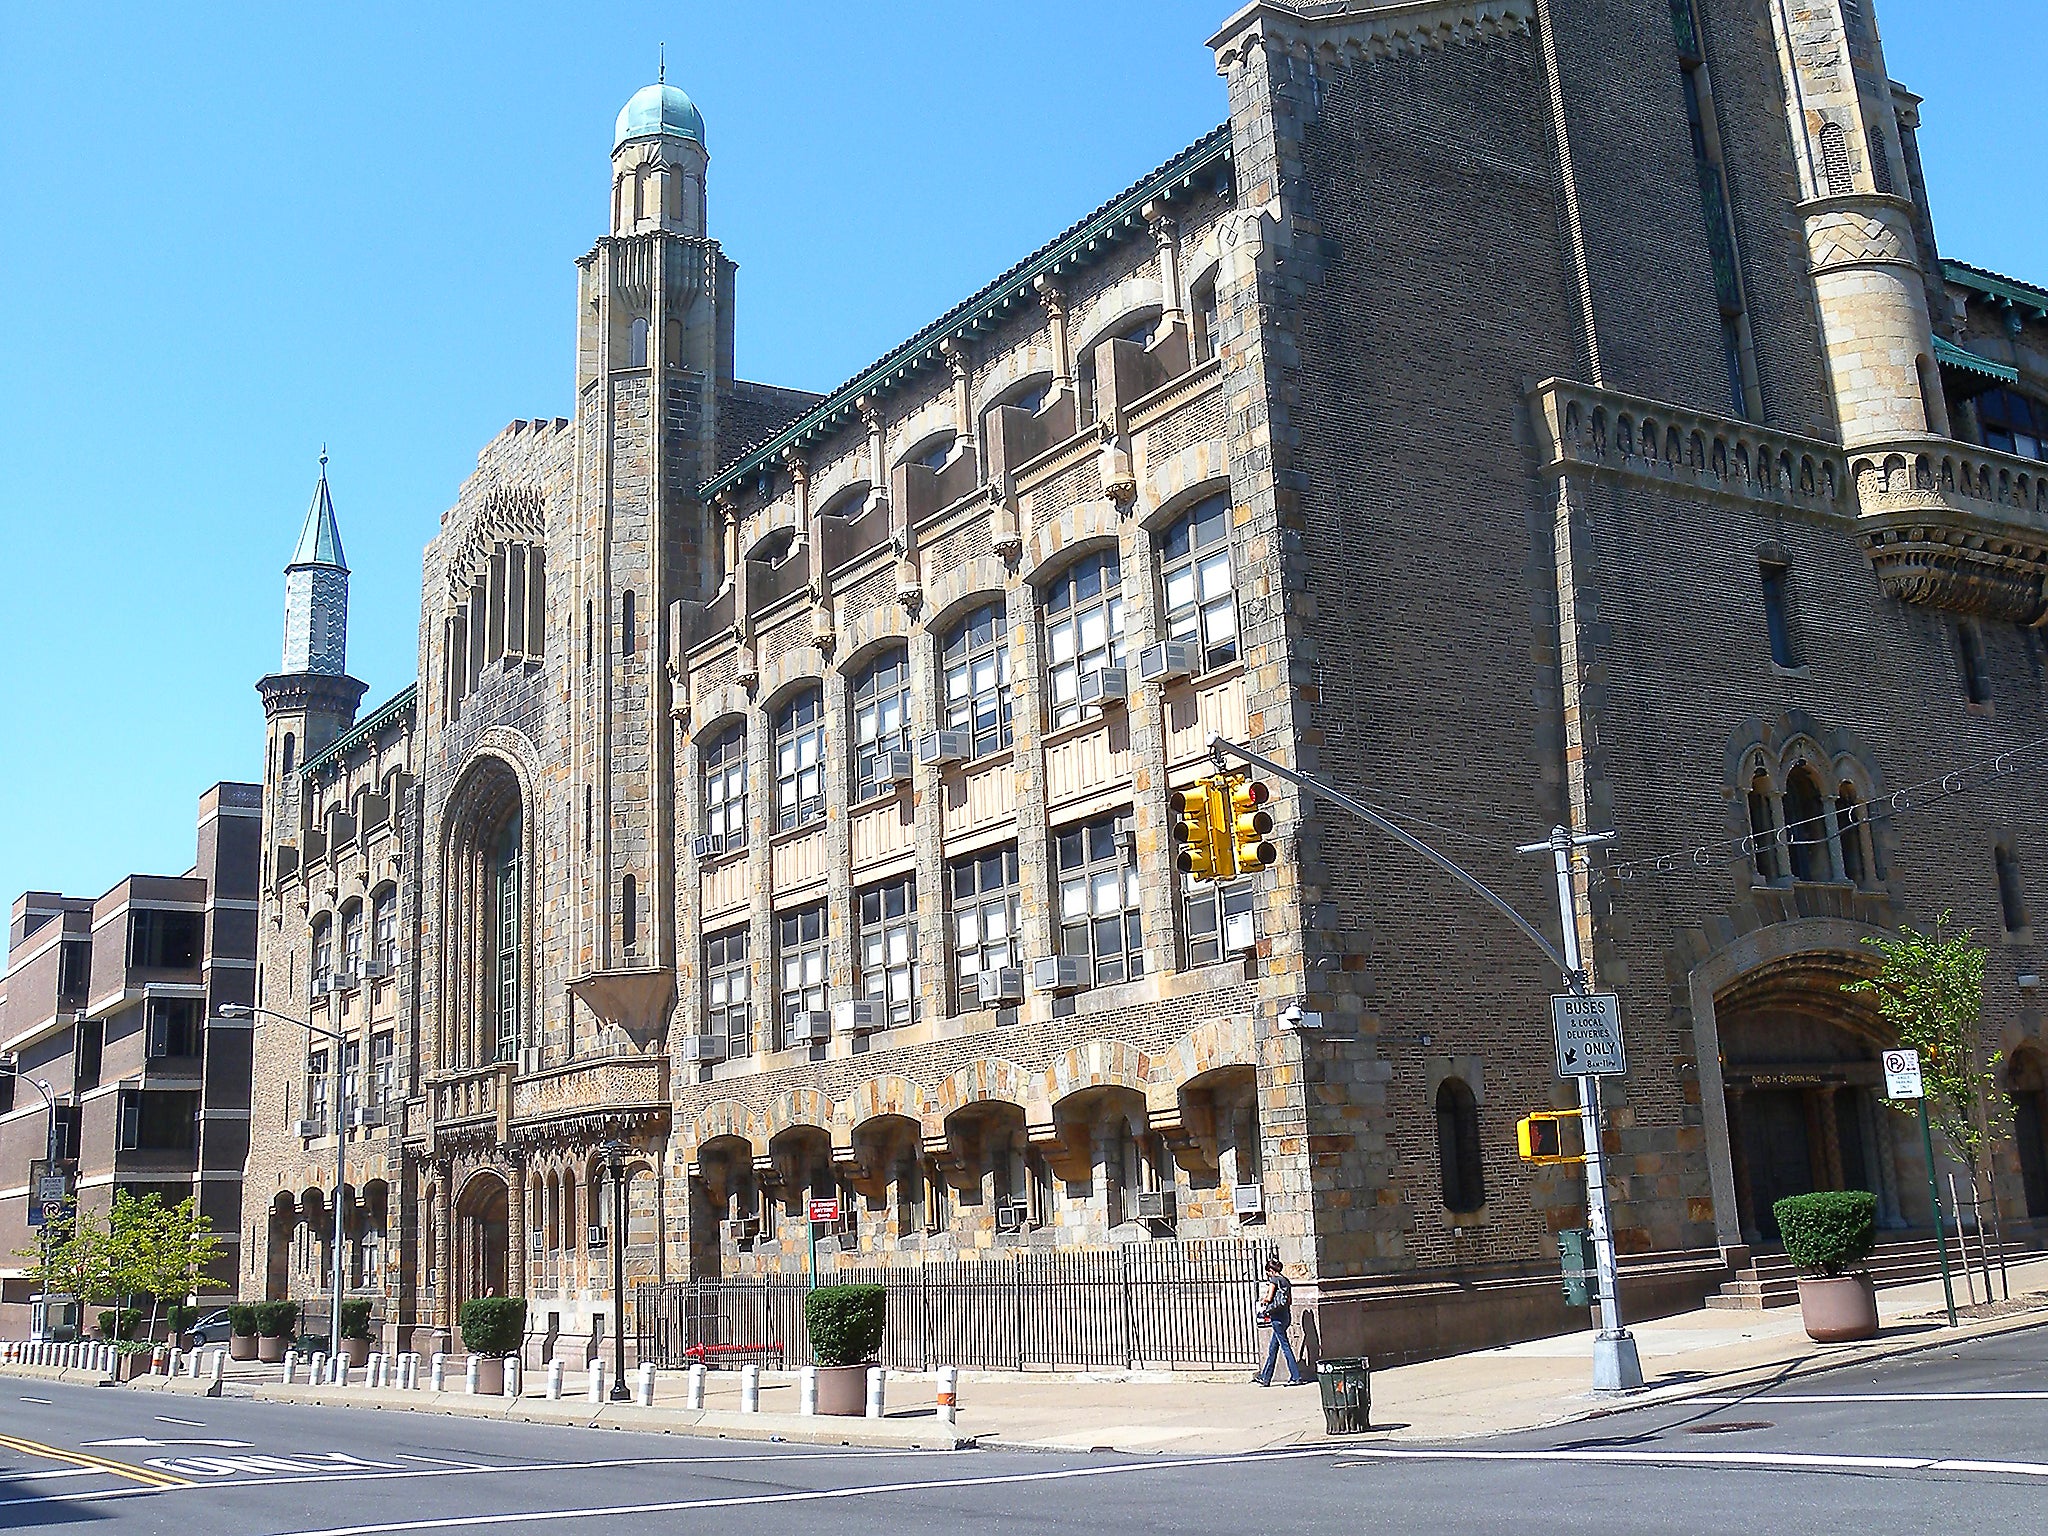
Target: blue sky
(234,233)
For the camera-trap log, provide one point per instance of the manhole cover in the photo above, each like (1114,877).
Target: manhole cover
(1728,1427)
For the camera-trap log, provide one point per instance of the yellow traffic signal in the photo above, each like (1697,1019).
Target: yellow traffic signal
(1540,1138)
(1200,849)
(1250,821)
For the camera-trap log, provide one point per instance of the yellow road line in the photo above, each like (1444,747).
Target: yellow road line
(149,1477)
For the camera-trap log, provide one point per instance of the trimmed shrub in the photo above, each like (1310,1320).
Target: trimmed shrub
(180,1317)
(276,1319)
(242,1319)
(355,1319)
(1828,1231)
(493,1326)
(846,1322)
(118,1324)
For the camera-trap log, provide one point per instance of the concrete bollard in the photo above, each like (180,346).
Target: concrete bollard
(291,1368)
(171,1359)
(192,1365)
(475,1366)
(158,1359)
(949,1395)
(554,1381)
(380,1370)
(596,1376)
(439,1378)
(697,1375)
(341,1371)
(515,1376)
(316,1371)
(750,1389)
(218,1366)
(643,1393)
(807,1392)
(878,1380)
(412,1373)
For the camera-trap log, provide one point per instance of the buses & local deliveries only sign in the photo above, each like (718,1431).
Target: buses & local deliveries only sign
(1588,1035)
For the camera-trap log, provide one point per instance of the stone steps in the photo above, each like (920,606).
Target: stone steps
(1772,1280)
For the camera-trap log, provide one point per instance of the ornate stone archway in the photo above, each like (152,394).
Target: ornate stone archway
(481,1241)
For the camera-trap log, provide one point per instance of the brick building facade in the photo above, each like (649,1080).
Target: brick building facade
(1530,413)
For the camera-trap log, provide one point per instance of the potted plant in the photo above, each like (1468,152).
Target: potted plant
(180,1318)
(1826,1234)
(492,1328)
(275,1321)
(118,1324)
(846,1324)
(355,1331)
(241,1331)
(131,1359)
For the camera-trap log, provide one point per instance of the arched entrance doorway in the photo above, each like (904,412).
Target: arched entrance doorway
(1800,1068)
(481,1239)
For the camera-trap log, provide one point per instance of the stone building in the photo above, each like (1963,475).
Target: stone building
(1524,412)
(113,1004)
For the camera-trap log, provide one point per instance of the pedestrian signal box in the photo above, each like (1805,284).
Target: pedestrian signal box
(1540,1137)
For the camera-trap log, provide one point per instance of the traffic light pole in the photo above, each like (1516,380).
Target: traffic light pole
(1616,1365)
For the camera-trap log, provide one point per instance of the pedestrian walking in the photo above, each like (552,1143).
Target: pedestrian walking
(1276,1310)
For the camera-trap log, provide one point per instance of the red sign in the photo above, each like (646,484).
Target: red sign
(825,1210)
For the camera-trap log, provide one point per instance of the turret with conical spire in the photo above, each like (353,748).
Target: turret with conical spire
(316,591)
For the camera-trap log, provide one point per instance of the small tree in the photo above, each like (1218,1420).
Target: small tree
(157,1250)
(1930,989)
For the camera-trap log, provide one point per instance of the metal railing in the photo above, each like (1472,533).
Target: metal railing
(1164,1305)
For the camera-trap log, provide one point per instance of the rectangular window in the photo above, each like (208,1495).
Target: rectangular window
(1218,919)
(1777,583)
(1098,900)
(800,952)
(74,970)
(1970,651)
(1201,593)
(728,1002)
(977,680)
(351,1079)
(881,724)
(1084,630)
(164,941)
(158,1122)
(888,948)
(386,939)
(92,1035)
(323,952)
(383,1070)
(800,762)
(317,1081)
(985,898)
(725,790)
(352,940)
(172,1027)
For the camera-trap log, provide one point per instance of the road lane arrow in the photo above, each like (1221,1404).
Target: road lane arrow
(139,1441)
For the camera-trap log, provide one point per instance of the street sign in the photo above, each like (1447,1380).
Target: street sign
(1902,1075)
(825,1210)
(1588,1035)
(53,1188)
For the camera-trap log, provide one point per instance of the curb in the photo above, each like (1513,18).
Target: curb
(793,1429)
(58,1373)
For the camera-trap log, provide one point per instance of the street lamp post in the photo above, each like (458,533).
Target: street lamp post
(10,1065)
(335,1099)
(615,1153)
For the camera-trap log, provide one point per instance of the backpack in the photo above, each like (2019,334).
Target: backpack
(1282,1305)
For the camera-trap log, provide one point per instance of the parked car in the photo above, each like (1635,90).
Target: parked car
(211,1329)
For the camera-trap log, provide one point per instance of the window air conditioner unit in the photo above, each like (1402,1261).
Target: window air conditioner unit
(1106,686)
(1059,973)
(1004,984)
(346,979)
(1164,662)
(810,1028)
(368,1116)
(322,985)
(743,1230)
(1155,1205)
(309,1130)
(703,1048)
(860,1016)
(942,747)
(376,970)
(594,1237)
(895,768)
(709,845)
(1012,1215)
(1249,1201)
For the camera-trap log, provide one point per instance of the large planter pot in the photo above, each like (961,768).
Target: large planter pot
(843,1390)
(130,1364)
(356,1351)
(242,1346)
(490,1376)
(270,1350)
(1839,1309)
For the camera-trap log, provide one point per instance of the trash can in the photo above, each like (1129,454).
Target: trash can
(1347,1395)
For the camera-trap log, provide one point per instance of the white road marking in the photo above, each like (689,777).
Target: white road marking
(36,1477)
(187,1423)
(1785,1459)
(42,1402)
(443,1461)
(135,1441)
(1877,1397)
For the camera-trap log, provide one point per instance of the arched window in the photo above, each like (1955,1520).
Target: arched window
(1806,827)
(2012,904)
(977,668)
(799,761)
(507,912)
(629,914)
(725,792)
(352,940)
(384,930)
(1970,651)
(1852,823)
(1208,321)
(628,640)
(323,952)
(1458,1152)
(1763,829)
(1834,161)
(1084,629)
(881,723)
(933,455)
(291,747)
(636,343)
(1201,595)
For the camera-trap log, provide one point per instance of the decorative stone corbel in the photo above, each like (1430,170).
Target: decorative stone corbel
(1006,526)
(823,635)
(909,580)
(746,669)
(1119,477)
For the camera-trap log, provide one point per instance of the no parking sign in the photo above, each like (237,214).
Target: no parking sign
(1902,1075)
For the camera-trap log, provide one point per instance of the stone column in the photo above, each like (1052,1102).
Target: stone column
(1738,1157)
(1055,302)
(444,1259)
(515,1230)
(1831,1135)
(1889,1213)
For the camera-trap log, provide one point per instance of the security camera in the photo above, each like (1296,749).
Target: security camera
(1290,1016)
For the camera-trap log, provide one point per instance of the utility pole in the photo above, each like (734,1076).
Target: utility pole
(1616,1365)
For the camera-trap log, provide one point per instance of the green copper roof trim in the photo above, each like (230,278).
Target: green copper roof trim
(320,535)
(1950,355)
(1102,226)
(1993,285)
(399,705)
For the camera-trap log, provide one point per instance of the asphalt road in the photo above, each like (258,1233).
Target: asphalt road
(1949,1438)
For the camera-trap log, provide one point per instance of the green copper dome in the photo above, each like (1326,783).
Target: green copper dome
(658,109)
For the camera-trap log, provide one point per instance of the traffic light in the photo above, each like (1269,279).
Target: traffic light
(1200,848)
(1250,821)
(1540,1138)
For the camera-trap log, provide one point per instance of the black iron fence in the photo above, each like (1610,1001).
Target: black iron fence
(1166,1305)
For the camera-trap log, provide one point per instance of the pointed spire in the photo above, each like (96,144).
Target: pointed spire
(661,64)
(320,538)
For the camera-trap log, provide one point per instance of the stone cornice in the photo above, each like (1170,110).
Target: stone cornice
(1360,29)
